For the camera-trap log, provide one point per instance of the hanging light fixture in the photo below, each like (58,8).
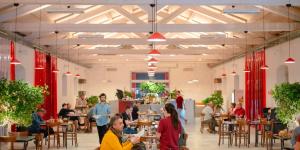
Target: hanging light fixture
(152,66)
(155,36)
(153,61)
(289,60)
(264,66)
(233,73)
(224,74)
(154,52)
(68,73)
(56,49)
(40,62)
(246,70)
(77,75)
(15,61)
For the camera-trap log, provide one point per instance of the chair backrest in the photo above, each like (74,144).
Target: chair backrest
(10,139)
(242,123)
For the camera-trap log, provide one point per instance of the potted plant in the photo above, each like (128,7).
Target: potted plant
(287,98)
(216,98)
(120,94)
(18,100)
(92,101)
(152,90)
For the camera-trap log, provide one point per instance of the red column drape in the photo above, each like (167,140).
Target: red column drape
(12,57)
(255,85)
(44,75)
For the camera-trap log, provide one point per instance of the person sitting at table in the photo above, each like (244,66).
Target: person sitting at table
(169,129)
(81,101)
(112,139)
(135,110)
(127,120)
(72,115)
(231,109)
(209,119)
(239,112)
(63,113)
(37,121)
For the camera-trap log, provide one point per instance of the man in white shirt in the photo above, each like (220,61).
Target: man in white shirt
(208,113)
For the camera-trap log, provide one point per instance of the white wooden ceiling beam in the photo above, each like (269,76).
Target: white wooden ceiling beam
(164,2)
(236,27)
(282,11)
(142,41)
(22,11)
(126,14)
(173,15)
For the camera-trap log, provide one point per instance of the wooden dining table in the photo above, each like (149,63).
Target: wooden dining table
(25,140)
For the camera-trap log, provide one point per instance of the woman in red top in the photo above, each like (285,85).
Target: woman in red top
(169,129)
(239,111)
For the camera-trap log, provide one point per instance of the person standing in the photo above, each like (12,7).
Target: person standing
(101,114)
(179,106)
(169,129)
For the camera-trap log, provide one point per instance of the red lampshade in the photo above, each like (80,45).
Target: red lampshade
(154,52)
(77,75)
(152,66)
(233,73)
(223,75)
(15,62)
(68,73)
(55,70)
(39,67)
(246,70)
(264,67)
(153,61)
(290,60)
(156,37)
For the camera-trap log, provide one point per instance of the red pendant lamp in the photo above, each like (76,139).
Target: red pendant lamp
(152,66)
(155,36)
(68,73)
(246,70)
(289,60)
(224,74)
(56,49)
(13,59)
(77,75)
(152,61)
(264,66)
(154,52)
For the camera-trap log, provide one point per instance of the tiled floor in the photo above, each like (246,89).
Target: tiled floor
(196,141)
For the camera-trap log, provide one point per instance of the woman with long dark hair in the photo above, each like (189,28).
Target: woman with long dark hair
(169,129)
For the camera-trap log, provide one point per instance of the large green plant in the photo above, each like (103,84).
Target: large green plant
(18,100)
(152,87)
(287,98)
(216,98)
(92,100)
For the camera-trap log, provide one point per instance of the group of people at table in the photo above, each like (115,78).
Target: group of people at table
(113,128)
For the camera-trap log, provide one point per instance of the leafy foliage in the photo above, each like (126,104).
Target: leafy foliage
(152,87)
(173,94)
(120,94)
(18,100)
(127,93)
(93,100)
(216,98)
(287,98)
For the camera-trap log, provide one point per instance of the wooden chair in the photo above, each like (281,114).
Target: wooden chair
(242,132)
(39,141)
(8,139)
(202,122)
(54,136)
(265,124)
(224,133)
(72,133)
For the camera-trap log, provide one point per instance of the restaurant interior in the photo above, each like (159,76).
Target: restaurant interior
(149,74)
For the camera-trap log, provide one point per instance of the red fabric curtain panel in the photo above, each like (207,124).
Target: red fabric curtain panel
(44,75)
(255,85)
(12,57)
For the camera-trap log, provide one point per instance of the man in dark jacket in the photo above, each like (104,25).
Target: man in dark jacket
(37,120)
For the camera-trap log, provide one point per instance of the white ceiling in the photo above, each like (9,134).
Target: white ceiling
(117,31)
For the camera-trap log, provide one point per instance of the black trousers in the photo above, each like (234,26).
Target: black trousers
(101,131)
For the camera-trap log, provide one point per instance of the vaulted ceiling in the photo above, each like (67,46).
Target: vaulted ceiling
(114,31)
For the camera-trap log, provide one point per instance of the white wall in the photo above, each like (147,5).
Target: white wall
(70,84)
(121,79)
(275,57)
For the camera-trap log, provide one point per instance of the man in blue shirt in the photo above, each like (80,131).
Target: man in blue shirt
(101,114)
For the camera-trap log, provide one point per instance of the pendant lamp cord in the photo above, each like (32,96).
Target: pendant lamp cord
(288,6)
(16,20)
